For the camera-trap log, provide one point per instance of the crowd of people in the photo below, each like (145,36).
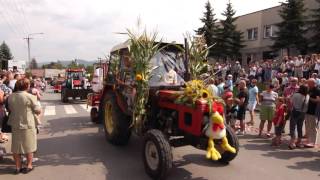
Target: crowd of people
(20,110)
(287,92)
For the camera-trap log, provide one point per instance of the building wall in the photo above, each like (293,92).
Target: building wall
(256,48)
(37,72)
(21,65)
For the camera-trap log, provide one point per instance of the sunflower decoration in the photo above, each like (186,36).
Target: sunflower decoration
(138,77)
(194,91)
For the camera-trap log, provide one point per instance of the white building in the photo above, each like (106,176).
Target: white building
(17,64)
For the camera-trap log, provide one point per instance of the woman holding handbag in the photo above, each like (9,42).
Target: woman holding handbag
(300,102)
(22,108)
(3,137)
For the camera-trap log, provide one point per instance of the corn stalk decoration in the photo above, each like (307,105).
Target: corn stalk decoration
(143,47)
(198,52)
(197,89)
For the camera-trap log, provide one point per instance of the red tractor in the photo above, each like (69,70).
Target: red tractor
(93,100)
(75,85)
(168,124)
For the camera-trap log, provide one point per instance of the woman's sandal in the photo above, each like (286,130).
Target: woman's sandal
(27,170)
(291,146)
(18,171)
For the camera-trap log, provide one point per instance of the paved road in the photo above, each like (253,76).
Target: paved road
(72,148)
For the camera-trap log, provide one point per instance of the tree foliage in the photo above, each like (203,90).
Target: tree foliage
(5,55)
(33,64)
(229,40)
(74,64)
(5,52)
(53,65)
(209,28)
(292,29)
(315,27)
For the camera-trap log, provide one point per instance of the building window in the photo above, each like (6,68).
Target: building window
(269,31)
(252,34)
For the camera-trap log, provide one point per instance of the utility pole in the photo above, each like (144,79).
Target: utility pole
(28,42)
(28,38)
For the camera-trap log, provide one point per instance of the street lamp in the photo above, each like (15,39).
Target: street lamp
(28,42)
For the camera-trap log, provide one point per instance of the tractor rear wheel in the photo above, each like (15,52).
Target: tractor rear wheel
(116,124)
(157,155)
(64,97)
(226,156)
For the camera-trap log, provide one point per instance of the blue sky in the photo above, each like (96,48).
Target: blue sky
(88,29)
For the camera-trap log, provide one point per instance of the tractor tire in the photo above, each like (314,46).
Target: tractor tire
(157,155)
(64,97)
(226,157)
(116,124)
(94,115)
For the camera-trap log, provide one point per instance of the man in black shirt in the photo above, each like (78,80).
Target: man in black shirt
(311,116)
(242,101)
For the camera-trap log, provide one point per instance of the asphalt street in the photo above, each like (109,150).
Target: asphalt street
(70,147)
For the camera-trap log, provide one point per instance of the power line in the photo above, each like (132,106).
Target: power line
(12,9)
(9,19)
(22,12)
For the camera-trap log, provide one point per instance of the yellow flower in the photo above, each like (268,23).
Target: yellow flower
(138,77)
(205,94)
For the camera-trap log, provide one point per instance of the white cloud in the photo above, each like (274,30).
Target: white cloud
(87,29)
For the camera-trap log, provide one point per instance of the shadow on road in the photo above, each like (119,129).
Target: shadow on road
(62,125)
(91,148)
(58,102)
(284,153)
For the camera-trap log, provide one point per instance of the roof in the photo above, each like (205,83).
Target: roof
(126,44)
(120,46)
(259,11)
(75,70)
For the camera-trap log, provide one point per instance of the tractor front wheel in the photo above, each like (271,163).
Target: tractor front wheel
(226,156)
(116,124)
(157,155)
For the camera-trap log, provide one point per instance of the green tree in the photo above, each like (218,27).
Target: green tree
(315,27)
(5,55)
(292,29)
(90,70)
(74,64)
(53,65)
(229,40)
(209,28)
(33,64)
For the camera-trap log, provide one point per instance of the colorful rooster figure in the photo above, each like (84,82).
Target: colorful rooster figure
(217,130)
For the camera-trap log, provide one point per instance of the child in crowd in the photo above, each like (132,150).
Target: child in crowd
(231,112)
(279,121)
(34,91)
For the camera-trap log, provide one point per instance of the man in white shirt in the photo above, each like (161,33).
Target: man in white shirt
(12,83)
(298,62)
(212,87)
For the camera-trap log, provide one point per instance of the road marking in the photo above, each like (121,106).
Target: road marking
(50,111)
(84,106)
(69,109)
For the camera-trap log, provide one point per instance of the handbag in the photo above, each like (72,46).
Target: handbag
(5,127)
